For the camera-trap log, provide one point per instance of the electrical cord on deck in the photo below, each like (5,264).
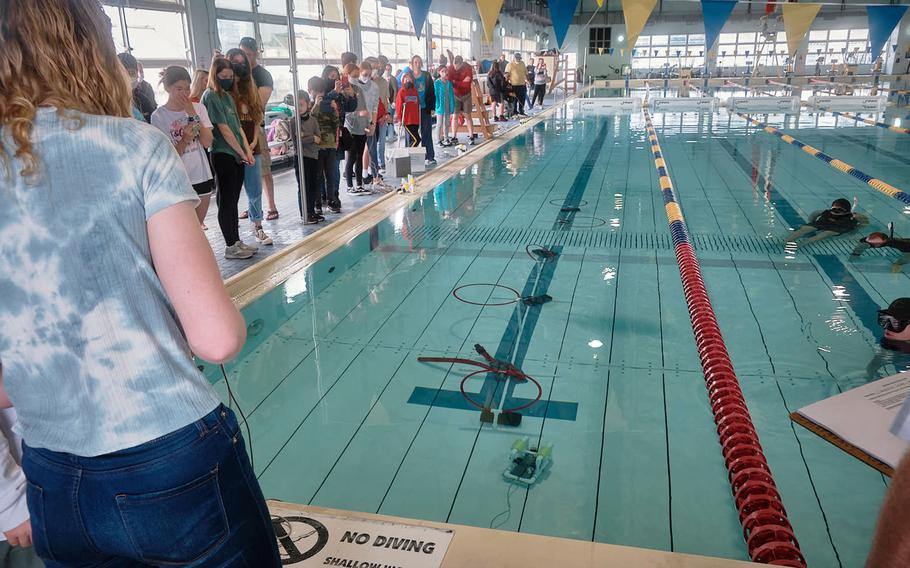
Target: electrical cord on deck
(232,399)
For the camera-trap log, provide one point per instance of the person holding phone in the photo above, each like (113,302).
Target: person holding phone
(230,154)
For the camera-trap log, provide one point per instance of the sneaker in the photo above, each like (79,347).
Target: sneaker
(262,237)
(350,190)
(473,141)
(367,180)
(318,209)
(335,208)
(252,248)
(429,162)
(361,191)
(237,252)
(382,170)
(311,220)
(244,215)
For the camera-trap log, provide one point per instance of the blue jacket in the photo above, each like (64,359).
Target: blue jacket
(444,92)
(424,85)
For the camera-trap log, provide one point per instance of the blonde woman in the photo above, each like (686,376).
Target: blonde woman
(110,285)
(199,84)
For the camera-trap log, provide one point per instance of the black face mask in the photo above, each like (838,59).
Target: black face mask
(240,69)
(226,84)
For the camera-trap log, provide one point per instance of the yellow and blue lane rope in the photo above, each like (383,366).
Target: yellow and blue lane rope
(875,183)
(898,129)
(674,214)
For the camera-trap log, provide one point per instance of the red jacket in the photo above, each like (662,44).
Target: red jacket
(407,106)
(457,78)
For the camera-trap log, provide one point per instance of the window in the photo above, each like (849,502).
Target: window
(243,5)
(116,28)
(230,32)
(277,7)
(598,40)
(274,44)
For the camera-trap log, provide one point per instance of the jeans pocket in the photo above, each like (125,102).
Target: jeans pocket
(176,526)
(34,495)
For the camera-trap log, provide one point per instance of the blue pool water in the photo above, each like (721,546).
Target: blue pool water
(343,415)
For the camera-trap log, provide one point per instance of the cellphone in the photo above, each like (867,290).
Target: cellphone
(345,81)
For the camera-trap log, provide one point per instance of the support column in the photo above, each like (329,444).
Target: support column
(203,31)
(355,39)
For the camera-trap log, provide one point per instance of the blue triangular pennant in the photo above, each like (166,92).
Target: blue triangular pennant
(419,10)
(562,12)
(882,20)
(716,13)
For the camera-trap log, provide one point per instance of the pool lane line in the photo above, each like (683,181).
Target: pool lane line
(766,528)
(872,182)
(869,121)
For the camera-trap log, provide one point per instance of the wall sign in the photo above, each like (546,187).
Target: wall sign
(307,539)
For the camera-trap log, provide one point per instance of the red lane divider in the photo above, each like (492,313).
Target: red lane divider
(766,529)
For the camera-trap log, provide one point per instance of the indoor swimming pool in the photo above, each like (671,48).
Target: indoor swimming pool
(343,415)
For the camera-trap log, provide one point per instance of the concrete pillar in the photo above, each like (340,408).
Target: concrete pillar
(203,31)
(355,39)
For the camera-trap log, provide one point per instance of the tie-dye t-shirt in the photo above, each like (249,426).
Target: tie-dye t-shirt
(93,357)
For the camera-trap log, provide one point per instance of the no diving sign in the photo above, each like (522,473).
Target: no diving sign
(308,539)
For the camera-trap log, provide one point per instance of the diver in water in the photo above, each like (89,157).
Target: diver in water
(838,220)
(880,240)
(895,321)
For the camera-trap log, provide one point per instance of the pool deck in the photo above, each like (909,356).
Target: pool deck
(474,547)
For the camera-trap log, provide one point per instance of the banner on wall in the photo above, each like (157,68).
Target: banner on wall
(636,14)
(716,14)
(797,19)
(419,11)
(489,12)
(600,3)
(561,13)
(352,10)
(882,21)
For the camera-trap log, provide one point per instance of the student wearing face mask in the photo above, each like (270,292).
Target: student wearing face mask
(250,111)
(230,154)
(358,123)
(377,151)
(371,96)
(143,104)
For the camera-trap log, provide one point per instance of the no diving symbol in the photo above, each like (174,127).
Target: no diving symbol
(299,538)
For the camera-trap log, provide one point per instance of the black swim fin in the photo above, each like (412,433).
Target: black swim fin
(544,253)
(570,209)
(536,300)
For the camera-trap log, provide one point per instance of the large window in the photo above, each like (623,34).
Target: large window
(599,40)
(831,47)
(449,32)
(157,38)
(388,31)
(667,53)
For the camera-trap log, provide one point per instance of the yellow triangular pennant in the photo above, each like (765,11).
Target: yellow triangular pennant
(352,10)
(797,19)
(636,14)
(489,12)
(600,3)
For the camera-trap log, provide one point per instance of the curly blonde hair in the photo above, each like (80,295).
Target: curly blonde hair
(56,53)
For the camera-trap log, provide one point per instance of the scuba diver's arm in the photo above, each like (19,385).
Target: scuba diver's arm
(898,264)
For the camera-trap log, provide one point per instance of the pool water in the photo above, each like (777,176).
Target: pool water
(343,415)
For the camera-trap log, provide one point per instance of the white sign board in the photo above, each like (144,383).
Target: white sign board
(307,539)
(863,416)
(611,104)
(682,104)
(764,104)
(867,104)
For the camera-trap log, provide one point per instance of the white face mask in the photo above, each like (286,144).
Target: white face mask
(365,78)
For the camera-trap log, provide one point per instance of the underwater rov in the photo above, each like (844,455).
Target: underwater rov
(527,464)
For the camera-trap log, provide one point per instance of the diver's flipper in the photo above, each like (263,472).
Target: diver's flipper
(536,300)
(570,209)
(486,416)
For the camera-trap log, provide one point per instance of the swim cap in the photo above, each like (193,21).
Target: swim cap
(899,308)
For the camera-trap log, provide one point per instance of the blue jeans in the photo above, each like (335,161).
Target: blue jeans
(426,133)
(252,183)
(189,498)
(382,133)
(374,158)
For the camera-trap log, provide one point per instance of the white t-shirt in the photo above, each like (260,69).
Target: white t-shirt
(172,122)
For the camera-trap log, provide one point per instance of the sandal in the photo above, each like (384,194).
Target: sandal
(273,214)
(244,215)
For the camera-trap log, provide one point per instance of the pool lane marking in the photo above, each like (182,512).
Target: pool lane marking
(869,121)
(875,183)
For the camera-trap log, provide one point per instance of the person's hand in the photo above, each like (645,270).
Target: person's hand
(216,53)
(249,159)
(339,86)
(895,268)
(317,139)
(21,535)
(189,133)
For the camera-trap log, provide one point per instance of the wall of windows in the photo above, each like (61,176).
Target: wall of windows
(388,31)
(451,33)
(156,37)
(511,44)
(664,52)
(828,47)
